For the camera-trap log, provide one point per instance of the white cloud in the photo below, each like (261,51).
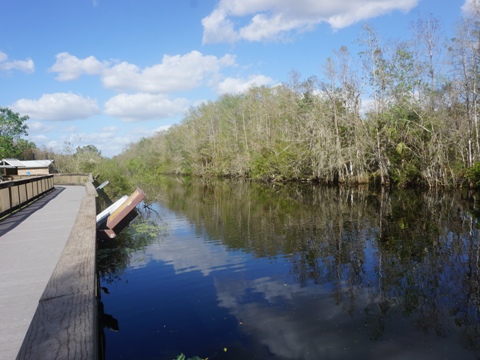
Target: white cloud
(70,129)
(38,138)
(109,143)
(175,73)
(110,129)
(273,19)
(191,255)
(142,106)
(38,127)
(471,6)
(144,132)
(367,105)
(237,85)
(57,107)
(26,66)
(264,27)
(162,128)
(97,138)
(69,67)
(217,28)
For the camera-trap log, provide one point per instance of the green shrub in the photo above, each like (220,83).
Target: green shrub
(472,174)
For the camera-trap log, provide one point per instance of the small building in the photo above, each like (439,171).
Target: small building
(12,167)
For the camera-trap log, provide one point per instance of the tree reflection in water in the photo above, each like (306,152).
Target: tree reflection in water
(115,255)
(388,260)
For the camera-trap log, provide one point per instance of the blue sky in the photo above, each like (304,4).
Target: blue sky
(109,72)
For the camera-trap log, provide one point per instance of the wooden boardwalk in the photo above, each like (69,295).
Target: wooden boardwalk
(43,274)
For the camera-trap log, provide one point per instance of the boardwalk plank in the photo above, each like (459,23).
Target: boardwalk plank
(64,324)
(46,266)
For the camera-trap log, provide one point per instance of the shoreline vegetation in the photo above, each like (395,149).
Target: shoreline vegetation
(399,113)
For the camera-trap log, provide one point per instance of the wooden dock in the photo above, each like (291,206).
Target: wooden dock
(47,278)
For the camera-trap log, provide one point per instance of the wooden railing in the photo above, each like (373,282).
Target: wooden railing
(72,179)
(17,193)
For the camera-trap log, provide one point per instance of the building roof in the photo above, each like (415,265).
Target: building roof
(14,163)
(37,163)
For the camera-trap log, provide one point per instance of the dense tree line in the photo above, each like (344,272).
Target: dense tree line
(403,112)
(399,112)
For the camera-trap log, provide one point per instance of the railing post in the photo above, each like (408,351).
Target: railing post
(10,197)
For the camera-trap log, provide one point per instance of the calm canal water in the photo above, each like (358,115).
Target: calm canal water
(230,270)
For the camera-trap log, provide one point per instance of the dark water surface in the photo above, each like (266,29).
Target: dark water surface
(230,270)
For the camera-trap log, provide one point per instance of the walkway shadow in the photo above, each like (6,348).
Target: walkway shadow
(12,221)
